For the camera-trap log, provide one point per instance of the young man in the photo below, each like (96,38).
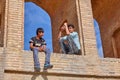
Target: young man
(69,40)
(62,36)
(38,44)
(75,37)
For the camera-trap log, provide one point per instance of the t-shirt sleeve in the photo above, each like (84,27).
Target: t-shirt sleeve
(44,42)
(31,40)
(74,34)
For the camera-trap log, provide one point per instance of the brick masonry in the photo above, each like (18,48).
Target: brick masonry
(65,67)
(2,57)
(17,64)
(108,24)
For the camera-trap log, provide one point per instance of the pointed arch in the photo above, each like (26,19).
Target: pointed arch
(36,17)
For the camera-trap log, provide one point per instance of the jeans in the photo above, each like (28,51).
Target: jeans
(70,47)
(36,59)
(62,45)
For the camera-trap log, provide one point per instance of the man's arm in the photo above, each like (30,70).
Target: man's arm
(43,45)
(66,28)
(31,46)
(59,35)
(42,48)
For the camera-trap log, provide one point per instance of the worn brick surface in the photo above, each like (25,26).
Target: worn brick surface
(67,65)
(2,57)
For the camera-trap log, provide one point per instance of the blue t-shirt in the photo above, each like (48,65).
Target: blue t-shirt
(75,37)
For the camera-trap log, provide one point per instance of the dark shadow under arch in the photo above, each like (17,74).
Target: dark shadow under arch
(116,42)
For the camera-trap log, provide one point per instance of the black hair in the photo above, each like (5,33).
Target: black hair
(71,25)
(39,30)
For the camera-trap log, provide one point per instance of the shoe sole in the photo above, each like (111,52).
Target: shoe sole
(48,67)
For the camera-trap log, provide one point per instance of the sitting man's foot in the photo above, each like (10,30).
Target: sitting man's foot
(48,66)
(37,69)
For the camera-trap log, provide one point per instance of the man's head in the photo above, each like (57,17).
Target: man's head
(39,32)
(71,28)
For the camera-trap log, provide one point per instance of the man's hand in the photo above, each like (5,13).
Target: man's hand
(42,48)
(65,23)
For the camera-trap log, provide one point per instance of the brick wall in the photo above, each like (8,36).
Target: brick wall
(88,31)
(2,57)
(108,23)
(65,67)
(15,24)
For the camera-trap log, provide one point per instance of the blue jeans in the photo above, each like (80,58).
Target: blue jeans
(64,47)
(36,59)
(70,47)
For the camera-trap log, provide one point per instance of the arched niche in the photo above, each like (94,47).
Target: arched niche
(107,13)
(59,10)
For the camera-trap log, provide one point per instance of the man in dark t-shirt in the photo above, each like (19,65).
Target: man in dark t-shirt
(38,44)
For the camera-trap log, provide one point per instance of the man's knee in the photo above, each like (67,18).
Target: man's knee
(35,49)
(47,50)
(61,40)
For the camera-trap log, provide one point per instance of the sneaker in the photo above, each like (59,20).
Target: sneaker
(37,69)
(48,66)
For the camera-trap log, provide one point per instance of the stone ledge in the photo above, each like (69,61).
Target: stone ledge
(61,74)
(63,64)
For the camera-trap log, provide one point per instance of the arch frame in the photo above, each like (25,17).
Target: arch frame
(63,17)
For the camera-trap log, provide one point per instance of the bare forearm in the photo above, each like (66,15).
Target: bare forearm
(59,35)
(42,48)
(31,46)
(66,29)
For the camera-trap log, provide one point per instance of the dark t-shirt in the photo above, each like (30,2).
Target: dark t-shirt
(37,42)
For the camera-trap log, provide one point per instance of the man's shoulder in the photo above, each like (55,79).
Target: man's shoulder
(42,39)
(33,37)
(32,40)
(74,33)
